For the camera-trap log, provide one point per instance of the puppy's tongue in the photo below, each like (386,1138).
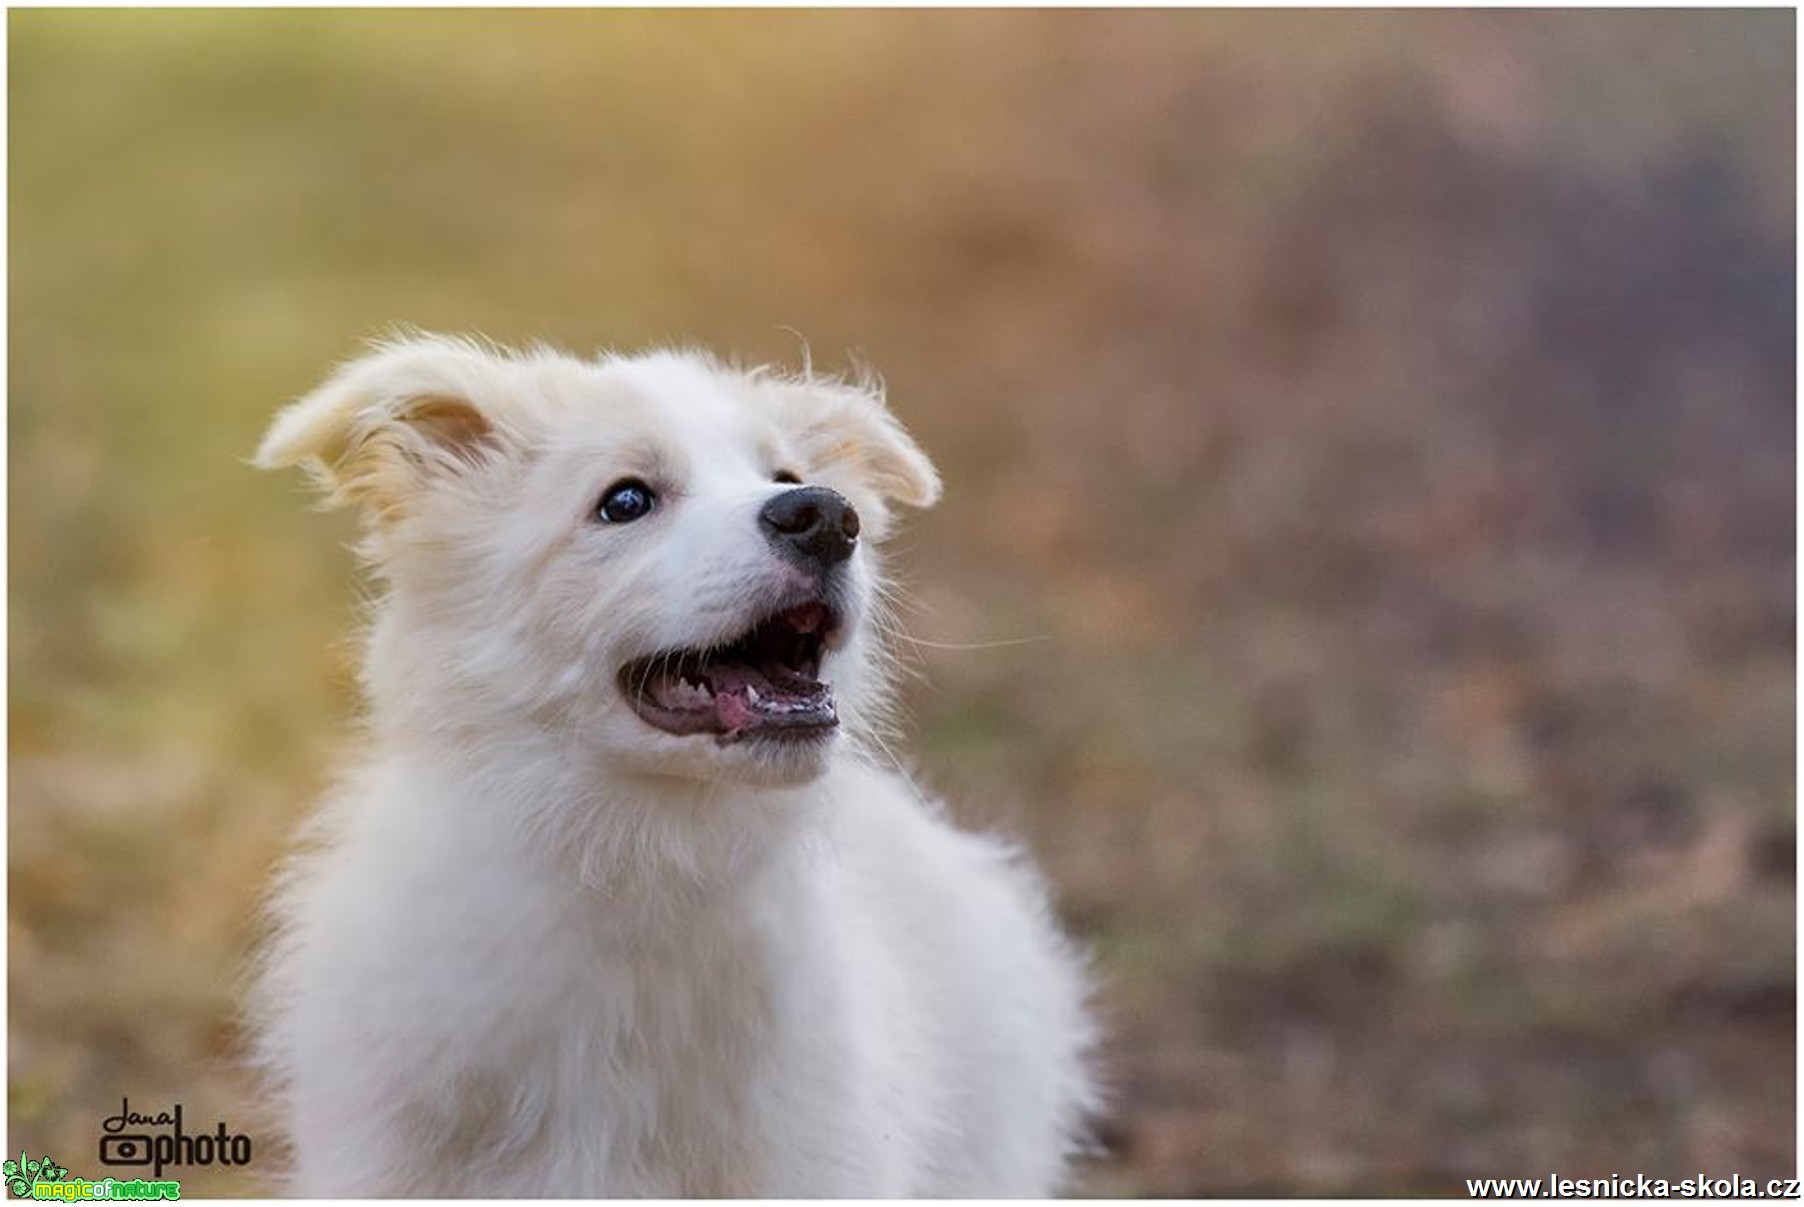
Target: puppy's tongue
(734,712)
(749,699)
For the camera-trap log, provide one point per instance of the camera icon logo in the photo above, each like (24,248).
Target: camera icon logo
(134,1149)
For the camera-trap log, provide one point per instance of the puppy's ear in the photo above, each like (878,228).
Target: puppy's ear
(386,424)
(846,429)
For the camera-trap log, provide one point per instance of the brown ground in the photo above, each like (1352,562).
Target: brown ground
(1385,422)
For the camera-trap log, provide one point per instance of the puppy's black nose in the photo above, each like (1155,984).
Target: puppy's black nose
(811,522)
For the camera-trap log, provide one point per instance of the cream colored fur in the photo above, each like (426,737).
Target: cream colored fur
(532,946)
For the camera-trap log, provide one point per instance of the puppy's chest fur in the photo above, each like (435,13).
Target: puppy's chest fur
(703,1051)
(725,1063)
(649,1034)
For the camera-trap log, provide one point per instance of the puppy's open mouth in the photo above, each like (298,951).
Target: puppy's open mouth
(763,683)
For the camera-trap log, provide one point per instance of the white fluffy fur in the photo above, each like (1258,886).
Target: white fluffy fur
(535,947)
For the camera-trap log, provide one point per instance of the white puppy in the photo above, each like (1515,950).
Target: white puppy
(620,901)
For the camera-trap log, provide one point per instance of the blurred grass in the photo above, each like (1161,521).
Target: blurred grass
(1385,417)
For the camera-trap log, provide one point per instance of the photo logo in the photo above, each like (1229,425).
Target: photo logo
(130,1138)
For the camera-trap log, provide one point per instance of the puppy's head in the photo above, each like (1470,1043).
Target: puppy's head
(668,561)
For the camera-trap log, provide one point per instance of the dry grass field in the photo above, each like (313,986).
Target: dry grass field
(1381,424)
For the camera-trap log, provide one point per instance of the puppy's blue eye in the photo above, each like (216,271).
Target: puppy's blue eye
(625,501)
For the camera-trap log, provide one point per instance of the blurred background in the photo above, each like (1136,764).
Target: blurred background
(1383,421)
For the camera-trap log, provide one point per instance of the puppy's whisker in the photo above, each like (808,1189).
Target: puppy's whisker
(875,737)
(1007,643)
